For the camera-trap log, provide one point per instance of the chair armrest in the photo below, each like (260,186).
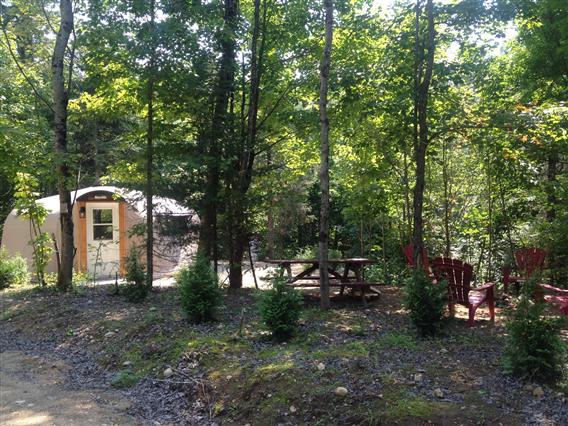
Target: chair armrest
(484,287)
(548,287)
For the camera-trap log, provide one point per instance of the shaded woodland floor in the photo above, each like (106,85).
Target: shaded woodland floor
(156,368)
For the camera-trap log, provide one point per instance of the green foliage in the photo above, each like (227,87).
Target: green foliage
(135,289)
(426,302)
(13,270)
(199,290)
(312,252)
(25,197)
(534,350)
(280,308)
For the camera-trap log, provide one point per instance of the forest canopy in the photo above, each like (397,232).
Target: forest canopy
(215,104)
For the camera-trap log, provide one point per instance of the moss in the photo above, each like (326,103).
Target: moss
(125,379)
(415,408)
(355,349)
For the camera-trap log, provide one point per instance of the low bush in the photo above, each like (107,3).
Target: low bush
(13,270)
(199,290)
(280,308)
(426,302)
(534,349)
(135,290)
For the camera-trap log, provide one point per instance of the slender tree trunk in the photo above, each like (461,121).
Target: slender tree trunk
(150,154)
(423,86)
(324,156)
(446,179)
(220,124)
(270,213)
(551,182)
(491,231)
(239,203)
(60,103)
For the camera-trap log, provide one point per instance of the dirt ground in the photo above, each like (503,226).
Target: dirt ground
(32,393)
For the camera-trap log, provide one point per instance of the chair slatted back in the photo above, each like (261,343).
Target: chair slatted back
(408,251)
(458,274)
(529,261)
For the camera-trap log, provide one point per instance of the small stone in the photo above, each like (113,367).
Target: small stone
(109,334)
(528,387)
(380,396)
(438,393)
(152,309)
(418,378)
(538,392)
(168,372)
(321,366)
(229,377)
(20,402)
(293,409)
(127,363)
(443,351)
(341,391)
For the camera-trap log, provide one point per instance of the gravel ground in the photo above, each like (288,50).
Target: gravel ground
(464,365)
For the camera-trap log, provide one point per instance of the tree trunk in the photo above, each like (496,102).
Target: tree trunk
(324,157)
(60,103)
(220,124)
(239,204)
(150,154)
(423,80)
(447,191)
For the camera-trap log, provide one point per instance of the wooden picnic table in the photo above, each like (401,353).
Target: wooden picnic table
(342,273)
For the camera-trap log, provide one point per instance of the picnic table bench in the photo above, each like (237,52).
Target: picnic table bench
(343,273)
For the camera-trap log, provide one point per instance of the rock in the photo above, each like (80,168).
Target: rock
(418,378)
(443,351)
(20,402)
(321,366)
(293,409)
(109,334)
(341,391)
(528,387)
(152,309)
(438,393)
(229,377)
(538,392)
(168,372)
(127,363)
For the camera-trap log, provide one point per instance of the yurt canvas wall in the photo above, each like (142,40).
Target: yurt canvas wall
(105,221)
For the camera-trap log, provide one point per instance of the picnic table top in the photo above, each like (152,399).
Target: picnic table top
(353,260)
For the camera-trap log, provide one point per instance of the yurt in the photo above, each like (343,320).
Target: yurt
(108,223)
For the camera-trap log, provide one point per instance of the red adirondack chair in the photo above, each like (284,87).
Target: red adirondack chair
(408,251)
(557,297)
(459,276)
(529,261)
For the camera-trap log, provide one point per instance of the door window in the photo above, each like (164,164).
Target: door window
(102,224)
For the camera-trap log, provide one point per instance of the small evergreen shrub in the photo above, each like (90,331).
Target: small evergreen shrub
(534,349)
(426,302)
(280,308)
(135,290)
(13,270)
(199,290)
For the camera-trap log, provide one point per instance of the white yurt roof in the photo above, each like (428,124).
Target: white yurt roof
(136,199)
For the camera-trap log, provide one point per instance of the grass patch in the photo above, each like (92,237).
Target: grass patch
(398,341)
